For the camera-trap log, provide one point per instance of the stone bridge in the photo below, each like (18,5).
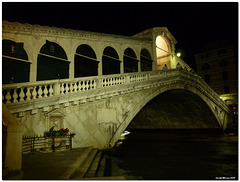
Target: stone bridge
(96,84)
(98,109)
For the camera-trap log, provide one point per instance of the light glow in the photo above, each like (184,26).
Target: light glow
(178,54)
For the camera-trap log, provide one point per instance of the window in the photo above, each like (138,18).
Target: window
(226,89)
(222,51)
(205,67)
(207,78)
(225,75)
(13,49)
(223,63)
(204,56)
(51,48)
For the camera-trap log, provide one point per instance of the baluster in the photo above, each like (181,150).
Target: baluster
(34,93)
(79,86)
(62,88)
(51,90)
(91,85)
(75,87)
(94,84)
(67,88)
(15,96)
(86,85)
(40,92)
(103,83)
(83,85)
(8,97)
(71,87)
(45,91)
(113,81)
(28,94)
(21,95)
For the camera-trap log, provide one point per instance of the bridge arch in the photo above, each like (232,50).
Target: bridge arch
(15,62)
(110,61)
(221,118)
(163,52)
(85,62)
(145,60)
(52,62)
(130,62)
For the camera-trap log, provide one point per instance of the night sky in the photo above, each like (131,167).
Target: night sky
(192,24)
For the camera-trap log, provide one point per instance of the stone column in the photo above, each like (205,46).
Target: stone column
(13,160)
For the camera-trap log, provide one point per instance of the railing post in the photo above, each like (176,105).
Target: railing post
(56,89)
(127,79)
(33,143)
(70,142)
(53,144)
(98,83)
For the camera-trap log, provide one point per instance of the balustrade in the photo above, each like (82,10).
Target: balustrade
(15,93)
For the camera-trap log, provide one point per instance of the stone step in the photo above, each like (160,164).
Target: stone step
(82,170)
(104,178)
(101,168)
(94,165)
(76,165)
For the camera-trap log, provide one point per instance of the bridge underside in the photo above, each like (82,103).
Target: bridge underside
(175,109)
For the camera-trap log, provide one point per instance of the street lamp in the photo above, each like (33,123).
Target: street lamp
(178,54)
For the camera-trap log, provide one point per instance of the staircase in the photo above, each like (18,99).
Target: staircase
(90,165)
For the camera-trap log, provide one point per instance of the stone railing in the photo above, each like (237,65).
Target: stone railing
(20,92)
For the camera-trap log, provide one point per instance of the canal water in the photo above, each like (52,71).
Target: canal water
(171,155)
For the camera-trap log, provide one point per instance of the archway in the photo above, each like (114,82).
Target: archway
(85,62)
(145,60)
(130,62)
(175,109)
(163,52)
(52,62)
(110,61)
(15,63)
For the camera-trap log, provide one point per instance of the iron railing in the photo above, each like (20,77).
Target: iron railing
(32,144)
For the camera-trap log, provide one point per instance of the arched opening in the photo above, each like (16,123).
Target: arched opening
(163,52)
(85,62)
(179,66)
(130,61)
(145,60)
(175,109)
(15,64)
(110,62)
(52,62)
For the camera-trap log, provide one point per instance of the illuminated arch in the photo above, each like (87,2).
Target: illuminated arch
(15,63)
(85,62)
(163,52)
(110,61)
(130,62)
(52,62)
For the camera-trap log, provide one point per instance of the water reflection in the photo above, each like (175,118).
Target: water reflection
(175,156)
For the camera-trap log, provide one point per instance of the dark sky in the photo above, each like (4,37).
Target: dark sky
(192,24)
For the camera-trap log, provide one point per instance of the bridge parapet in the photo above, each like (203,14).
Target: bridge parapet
(95,88)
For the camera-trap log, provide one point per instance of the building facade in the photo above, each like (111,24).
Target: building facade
(217,65)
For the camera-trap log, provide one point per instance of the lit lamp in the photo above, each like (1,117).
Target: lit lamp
(178,54)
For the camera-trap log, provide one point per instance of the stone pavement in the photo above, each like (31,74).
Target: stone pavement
(49,166)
